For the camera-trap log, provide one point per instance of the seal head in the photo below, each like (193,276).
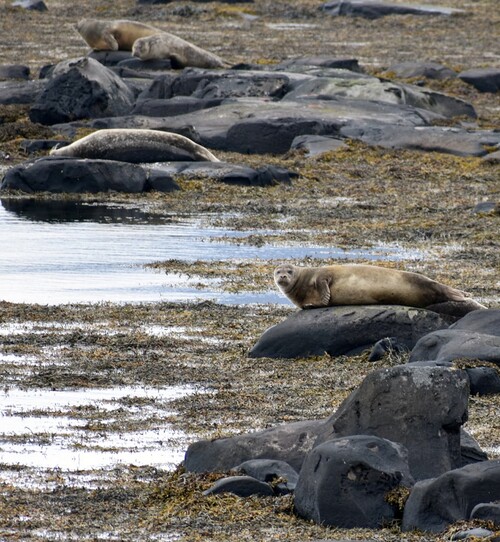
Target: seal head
(285,276)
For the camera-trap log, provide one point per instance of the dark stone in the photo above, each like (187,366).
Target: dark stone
(483,79)
(451,344)
(160,181)
(470,450)
(156,64)
(178,105)
(492,158)
(487,207)
(483,380)
(436,503)
(33,5)
(346,330)
(422,408)
(315,144)
(373,9)
(54,174)
(270,471)
(484,321)
(487,511)
(289,443)
(382,347)
(111,58)
(81,88)
(344,482)
(20,92)
(350,64)
(14,71)
(242,486)
(431,70)
(32,146)
(455,309)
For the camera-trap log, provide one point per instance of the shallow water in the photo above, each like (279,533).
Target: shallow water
(48,429)
(71,252)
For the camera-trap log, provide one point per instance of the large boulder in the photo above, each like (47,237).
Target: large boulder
(421,407)
(431,70)
(373,9)
(288,442)
(436,503)
(53,174)
(344,482)
(345,330)
(483,79)
(475,336)
(81,88)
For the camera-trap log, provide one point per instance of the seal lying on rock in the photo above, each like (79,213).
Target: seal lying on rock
(310,287)
(181,52)
(113,35)
(136,146)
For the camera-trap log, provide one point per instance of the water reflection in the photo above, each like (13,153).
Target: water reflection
(74,252)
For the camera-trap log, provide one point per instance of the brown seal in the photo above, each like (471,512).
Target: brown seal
(136,145)
(310,287)
(116,35)
(181,52)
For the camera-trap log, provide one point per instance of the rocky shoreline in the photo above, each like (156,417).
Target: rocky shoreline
(357,150)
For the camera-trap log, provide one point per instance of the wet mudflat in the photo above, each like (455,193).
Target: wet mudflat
(100,399)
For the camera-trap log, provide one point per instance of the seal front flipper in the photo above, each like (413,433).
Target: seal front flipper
(324,292)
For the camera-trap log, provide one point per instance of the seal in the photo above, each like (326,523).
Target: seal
(311,287)
(136,146)
(181,53)
(116,35)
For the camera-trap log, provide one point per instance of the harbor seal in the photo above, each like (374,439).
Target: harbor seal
(116,35)
(182,53)
(311,287)
(136,146)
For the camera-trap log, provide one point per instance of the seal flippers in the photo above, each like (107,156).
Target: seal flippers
(324,292)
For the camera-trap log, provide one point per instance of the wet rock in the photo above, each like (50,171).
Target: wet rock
(345,330)
(483,380)
(270,471)
(20,92)
(483,79)
(288,443)
(487,511)
(373,89)
(421,408)
(314,145)
(242,486)
(81,88)
(54,174)
(14,71)
(431,70)
(344,482)
(33,5)
(371,9)
(436,503)
(179,105)
(475,336)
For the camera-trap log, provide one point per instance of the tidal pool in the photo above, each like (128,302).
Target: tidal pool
(71,252)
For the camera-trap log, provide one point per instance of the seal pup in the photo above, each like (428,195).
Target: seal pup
(311,287)
(115,35)
(136,146)
(181,52)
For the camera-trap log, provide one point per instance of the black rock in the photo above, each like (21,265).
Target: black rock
(157,64)
(345,330)
(382,347)
(243,486)
(177,105)
(33,5)
(20,92)
(483,79)
(316,144)
(436,503)
(422,408)
(373,9)
(81,88)
(344,482)
(270,471)
(431,70)
(111,58)
(14,71)
(288,443)
(478,532)
(483,380)
(487,511)
(32,146)
(484,321)
(54,174)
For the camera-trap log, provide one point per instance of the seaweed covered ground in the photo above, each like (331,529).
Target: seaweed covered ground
(420,208)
